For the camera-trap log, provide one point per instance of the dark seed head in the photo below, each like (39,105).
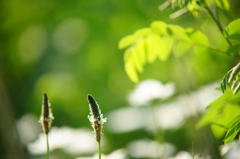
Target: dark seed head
(46,116)
(95,117)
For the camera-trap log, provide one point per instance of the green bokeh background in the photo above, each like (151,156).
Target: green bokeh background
(35,59)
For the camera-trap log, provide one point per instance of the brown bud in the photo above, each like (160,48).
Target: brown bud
(46,116)
(95,117)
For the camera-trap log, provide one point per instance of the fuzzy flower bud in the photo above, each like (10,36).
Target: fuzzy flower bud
(46,115)
(95,117)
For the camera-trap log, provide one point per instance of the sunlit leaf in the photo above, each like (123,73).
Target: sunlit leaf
(141,49)
(232,132)
(127,55)
(224,116)
(167,43)
(233,121)
(136,59)
(178,33)
(236,89)
(126,41)
(197,36)
(223,4)
(142,32)
(235,84)
(221,110)
(160,27)
(131,71)
(232,31)
(153,49)
(224,82)
(234,72)
(181,48)
(207,118)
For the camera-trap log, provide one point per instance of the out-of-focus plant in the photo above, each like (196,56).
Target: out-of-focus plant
(160,40)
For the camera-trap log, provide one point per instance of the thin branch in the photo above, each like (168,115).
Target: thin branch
(217,21)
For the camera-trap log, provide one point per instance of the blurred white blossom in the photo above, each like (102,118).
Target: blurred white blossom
(148,90)
(74,141)
(117,154)
(145,148)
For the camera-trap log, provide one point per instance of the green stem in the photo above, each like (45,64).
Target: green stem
(47,154)
(217,21)
(99,150)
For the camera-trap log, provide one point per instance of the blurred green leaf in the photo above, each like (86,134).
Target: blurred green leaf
(223,4)
(232,132)
(181,48)
(167,43)
(178,33)
(235,49)
(232,31)
(233,121)
(153,43)
(197,36)
(126,41)
(136,59)
(224,82)
(236,89)
(141,49)
(127,55)
(221,110)
(141,32)
(160,27)
(130,69)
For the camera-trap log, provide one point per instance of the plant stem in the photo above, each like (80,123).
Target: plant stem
(217,21)
(99,149)
(47,154)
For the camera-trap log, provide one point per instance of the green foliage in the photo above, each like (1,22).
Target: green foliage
(161,39)
(221,113)
(158,41)
(193,6)
(232,31)
(233,129)
(232,79)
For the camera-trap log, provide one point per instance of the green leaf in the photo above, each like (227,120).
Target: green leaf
(197,37)
(221,110)
(224,82)
(233,121)
(232,31)
(136,59)
(131,71)
(153,42)
(127,55)
(235,84)
(178,33)
(237,88)
(223,4)
(181,48)
(207,118)
(126,41)
(141,49)
(159,27)
(235,49)
(166,47)
(232,133)
(142,32)
(234,72)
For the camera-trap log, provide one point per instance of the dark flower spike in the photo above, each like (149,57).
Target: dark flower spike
(95,117)
(46,116)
